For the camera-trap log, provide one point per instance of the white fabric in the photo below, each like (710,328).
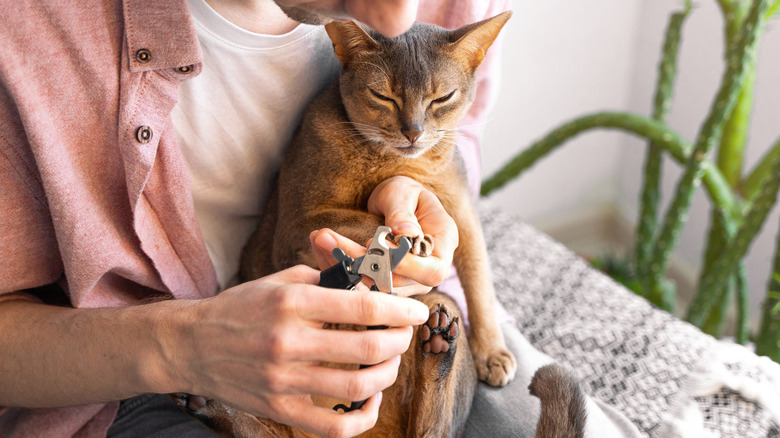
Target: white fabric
(755,378)
(234,119)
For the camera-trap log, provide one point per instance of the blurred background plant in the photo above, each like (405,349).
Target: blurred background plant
(740,201)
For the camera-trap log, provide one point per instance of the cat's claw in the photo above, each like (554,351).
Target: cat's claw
(422,245)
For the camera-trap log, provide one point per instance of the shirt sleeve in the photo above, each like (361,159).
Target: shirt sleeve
(488,76)
(472,125)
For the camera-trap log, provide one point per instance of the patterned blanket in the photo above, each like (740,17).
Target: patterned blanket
(664,374)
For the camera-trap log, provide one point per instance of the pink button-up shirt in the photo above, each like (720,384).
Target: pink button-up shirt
(94,191)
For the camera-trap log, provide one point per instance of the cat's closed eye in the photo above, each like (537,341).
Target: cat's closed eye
(444,98)
(381,96)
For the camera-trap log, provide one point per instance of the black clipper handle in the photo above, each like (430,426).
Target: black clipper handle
(339,277)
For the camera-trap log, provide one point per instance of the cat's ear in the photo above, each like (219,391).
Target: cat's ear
(470,42)
(349,39)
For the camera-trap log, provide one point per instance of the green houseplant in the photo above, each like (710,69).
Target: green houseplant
(740,202)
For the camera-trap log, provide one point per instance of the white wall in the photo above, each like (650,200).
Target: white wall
(563,59)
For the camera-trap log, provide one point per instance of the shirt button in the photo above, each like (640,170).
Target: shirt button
(143,134)
(185,69)
(143,56)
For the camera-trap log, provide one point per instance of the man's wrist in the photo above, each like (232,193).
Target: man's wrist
(167,328)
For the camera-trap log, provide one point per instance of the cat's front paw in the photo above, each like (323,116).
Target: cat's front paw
(495,365)
(422,244)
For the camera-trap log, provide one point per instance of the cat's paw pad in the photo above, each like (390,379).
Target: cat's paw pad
(496,367)
(192,404)
(440,333)
(422,245)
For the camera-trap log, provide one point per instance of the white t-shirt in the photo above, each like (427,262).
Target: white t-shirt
(235,118)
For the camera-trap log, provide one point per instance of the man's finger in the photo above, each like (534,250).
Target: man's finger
(406,287)
(327,422)
(325,240)
(363,308)
(348,385)
(352,347)
(389,17)
(300,274)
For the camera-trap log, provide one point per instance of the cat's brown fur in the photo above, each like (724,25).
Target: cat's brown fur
(375,123)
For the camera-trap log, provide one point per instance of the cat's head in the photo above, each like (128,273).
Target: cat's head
(407,94)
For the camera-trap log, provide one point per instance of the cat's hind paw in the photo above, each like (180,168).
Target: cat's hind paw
(438,339)
(440,333)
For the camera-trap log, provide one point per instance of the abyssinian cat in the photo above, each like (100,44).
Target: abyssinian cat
(394,111)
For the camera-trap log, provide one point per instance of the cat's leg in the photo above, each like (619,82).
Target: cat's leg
(495,363)
(291,244)
(444,376)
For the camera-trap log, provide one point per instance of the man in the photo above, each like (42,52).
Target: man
(98,218)
(114,183)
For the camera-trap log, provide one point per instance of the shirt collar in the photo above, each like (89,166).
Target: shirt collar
(160,35)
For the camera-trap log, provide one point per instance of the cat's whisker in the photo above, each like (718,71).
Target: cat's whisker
(380,68)
(470,125)
(350,130)
(368,128)
(362,129)
(376,81)
(353,132)
(445,145)
(358,125)
(442,147)
(449,139)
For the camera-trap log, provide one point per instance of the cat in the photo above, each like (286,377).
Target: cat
(394,111)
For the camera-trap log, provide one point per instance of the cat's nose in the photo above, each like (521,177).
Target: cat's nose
(411,134)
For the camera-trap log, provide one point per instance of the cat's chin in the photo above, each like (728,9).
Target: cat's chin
(410,151)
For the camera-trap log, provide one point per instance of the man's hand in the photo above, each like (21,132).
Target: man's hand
(258,347)
(409,209)
(390,17)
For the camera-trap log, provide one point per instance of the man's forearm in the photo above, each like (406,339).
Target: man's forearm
(57,356)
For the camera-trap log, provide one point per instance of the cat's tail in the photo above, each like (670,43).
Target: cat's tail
(563,403)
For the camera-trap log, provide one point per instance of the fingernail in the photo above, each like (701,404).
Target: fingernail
(325,240)
(313,237)
(420,312)
(406,228)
